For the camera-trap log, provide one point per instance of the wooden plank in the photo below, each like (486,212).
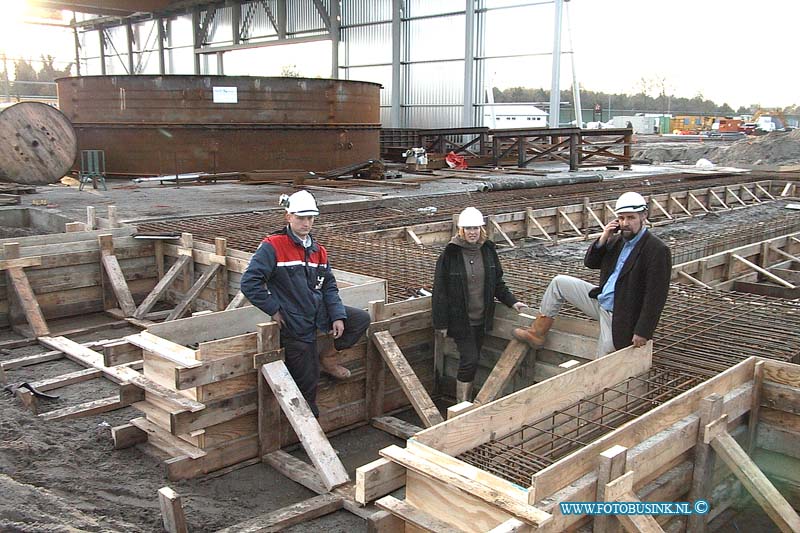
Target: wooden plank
(161,287)
(178,446)
(216,458)
(407,379)
(127,435)
(385,522)
(214,413)
(237,301)
(92,407)
(638,523)
(115,275)
(512,525)
(756,483)
(414,516)
(305,425)
(523,511)
(191,295)
(26,298)
(21,262)
(180,355)
(378,478)
(120,352)
(575,465)
(221,250)
(288,516)
(502,372)
(763,272)
(509,413)
(755,407)
(394,426)
(611,465)
(213,371)
(172,511)
(710,410)
(63,380)
(269,410)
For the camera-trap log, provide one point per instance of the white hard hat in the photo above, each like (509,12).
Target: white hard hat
(470,218)
(630,202)
(301,203)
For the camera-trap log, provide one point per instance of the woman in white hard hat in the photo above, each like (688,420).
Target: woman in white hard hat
(468,279)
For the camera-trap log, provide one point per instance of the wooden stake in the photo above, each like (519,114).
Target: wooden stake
(502,372)
(172,511)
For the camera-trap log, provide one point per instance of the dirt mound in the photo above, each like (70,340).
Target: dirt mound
(776,148)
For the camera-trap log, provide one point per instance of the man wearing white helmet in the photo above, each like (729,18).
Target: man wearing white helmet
(635,268)
(468,279)
(290,279)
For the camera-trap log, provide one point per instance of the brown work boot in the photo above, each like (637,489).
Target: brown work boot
(536,333)
(330,365)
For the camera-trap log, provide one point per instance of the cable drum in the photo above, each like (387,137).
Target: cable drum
(37,144)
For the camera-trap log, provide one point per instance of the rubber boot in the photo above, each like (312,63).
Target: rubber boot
(463,391)
(328,360)
(536,333)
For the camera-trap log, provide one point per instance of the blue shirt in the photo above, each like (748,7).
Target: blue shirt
(606,296)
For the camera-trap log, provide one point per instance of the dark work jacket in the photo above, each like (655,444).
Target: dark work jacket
(285,276)
(642,286)
(450,290)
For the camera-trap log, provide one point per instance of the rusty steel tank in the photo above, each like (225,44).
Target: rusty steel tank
(157,125)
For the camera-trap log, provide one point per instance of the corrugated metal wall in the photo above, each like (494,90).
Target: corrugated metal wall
(432,49)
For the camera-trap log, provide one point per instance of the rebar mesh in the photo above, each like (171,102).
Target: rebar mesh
(535,446)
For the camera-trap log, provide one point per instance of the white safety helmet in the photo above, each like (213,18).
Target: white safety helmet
(470,218)
(301,203)
(630,202)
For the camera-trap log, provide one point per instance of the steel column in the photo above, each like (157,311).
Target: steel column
(395,119)
(469,64)
(555,82)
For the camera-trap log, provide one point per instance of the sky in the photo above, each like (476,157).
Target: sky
(738,52)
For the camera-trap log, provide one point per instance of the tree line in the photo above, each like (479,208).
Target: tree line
(24,71)
(634,103)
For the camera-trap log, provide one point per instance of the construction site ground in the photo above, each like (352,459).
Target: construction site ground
(66,476)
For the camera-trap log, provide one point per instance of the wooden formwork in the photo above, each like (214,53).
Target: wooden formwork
(746,417)
(583,220)
(771,260)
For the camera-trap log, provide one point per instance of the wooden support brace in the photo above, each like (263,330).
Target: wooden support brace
(784,254)
(569,221)
(694,280)
(764,272)
(459,409)
(753,479)
(414,516)
(161,287)
(407,379)
(715,195)
(413,236)
(735,196)
(638,523)
(172,511)
(127,435)
(748,191)
(238,301)
(27,300)
(185,304)
(114,274)
(306,427)
(676,202)
(755,406)
(502,372)
(698,202)
(221,251)
(512,525)
(497,228)
(595,217)
(660,207)
(788,186)
(532,219)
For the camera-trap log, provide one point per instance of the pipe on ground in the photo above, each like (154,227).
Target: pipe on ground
(509,183)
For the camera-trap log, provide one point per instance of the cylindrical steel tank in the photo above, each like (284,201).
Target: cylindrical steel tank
(150,125)
(37,144)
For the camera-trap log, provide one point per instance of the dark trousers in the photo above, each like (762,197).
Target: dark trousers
(469,350)
(302,360)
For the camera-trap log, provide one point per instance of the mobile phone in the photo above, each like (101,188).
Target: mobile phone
(617,230)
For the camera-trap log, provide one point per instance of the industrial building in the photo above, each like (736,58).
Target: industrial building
(144,392)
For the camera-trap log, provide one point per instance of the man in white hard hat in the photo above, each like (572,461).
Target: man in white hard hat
(289,278)
(635,268)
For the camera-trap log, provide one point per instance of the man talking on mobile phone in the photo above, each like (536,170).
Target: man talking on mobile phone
(635,268)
